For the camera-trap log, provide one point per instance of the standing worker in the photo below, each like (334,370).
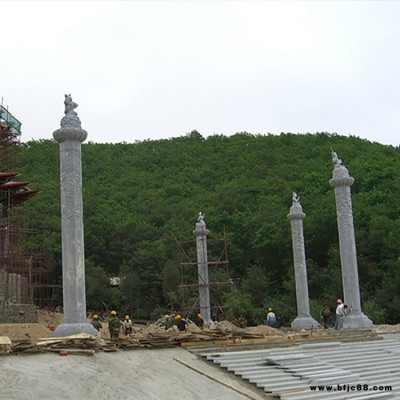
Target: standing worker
(337,320)
(326,315)
(341,311)
(271,318)
(127,325)
(114,325)
(168,323)
(96,323)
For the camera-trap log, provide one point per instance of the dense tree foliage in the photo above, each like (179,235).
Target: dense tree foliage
(139,197)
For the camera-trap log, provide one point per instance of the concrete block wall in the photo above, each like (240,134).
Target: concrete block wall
(18,314)
(11,311)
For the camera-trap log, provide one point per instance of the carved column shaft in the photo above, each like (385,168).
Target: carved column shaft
(72,232)
(296,217)
(341,182)
(201,233)
(347,246)
(299,260)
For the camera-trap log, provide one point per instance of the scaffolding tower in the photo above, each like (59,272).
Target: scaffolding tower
(24,275)
(218,271)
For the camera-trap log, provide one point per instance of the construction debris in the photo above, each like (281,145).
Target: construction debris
(35,338)
(78,344)
(152,336)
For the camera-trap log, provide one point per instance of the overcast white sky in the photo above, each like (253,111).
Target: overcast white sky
(160,69)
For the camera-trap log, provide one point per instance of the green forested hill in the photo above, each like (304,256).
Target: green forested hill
(138,196)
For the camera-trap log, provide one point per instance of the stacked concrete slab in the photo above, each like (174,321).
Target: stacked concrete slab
(354,370)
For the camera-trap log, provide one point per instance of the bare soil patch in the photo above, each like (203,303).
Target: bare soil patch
(41,329)
(24,331)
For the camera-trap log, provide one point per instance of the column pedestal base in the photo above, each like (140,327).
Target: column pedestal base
(357,321)
(73,328)
(305,323)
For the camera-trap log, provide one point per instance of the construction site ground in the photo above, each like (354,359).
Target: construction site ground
(150,364)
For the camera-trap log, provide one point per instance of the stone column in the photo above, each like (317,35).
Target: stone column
(341,182)
(296,217)
(70,136)
(201,233)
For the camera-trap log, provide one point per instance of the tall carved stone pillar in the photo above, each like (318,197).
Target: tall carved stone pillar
(296,217)
(70,136)
(341,182)
(201,233)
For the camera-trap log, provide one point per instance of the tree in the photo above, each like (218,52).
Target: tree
(257,284)
(137,195)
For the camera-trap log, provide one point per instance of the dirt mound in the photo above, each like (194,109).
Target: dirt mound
(225,326)
(265,330)
(24,331)
(45,319)
(48,318)
(194,328)
(151,329)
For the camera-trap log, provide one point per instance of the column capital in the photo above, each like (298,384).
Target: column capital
(71,128)
(337,182)
(296,211)
(201,229)
(340,174)
(293,216)
(70,134)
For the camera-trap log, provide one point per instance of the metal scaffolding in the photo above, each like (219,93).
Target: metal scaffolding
(24,275)
(218,270)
